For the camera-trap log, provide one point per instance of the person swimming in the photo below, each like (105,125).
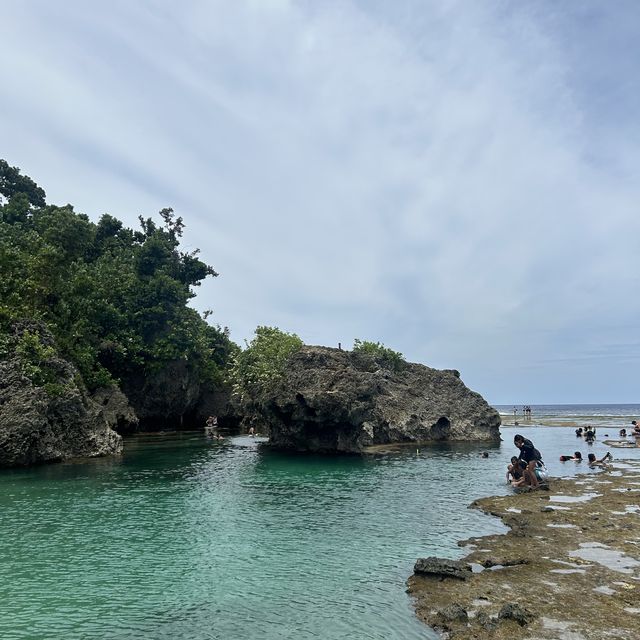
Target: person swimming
(577,456)
(623,433)
(595,463)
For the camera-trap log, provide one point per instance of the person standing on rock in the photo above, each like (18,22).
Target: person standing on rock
(530,455)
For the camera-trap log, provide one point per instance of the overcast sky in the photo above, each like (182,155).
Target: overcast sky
(456,179)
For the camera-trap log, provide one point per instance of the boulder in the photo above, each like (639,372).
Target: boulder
(116,409)
(516,612)
(453,613)
(442,568)
(330,400)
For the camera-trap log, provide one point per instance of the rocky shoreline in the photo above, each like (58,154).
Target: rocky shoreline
(568,569)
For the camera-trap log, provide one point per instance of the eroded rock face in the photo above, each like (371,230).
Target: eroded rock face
(37,426)
(165,399)
(116,409)
(339,401)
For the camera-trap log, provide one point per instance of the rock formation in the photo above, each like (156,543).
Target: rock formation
(331,400)
(51,422)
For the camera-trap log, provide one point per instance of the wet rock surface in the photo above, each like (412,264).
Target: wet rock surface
(569,572)
(341,401)
(443,568)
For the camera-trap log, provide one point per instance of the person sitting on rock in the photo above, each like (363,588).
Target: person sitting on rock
(531,456)
(599,463)
(515,472)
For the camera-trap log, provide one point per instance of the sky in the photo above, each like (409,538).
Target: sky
(457,179)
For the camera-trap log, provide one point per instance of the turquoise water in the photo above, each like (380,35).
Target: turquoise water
(187,538)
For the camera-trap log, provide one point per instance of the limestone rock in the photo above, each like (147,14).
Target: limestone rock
(166,398)
(453,613)
(516,612)
(331,400)
(442,568)
(116,409)
(39,426)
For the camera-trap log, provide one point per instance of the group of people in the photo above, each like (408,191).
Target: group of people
(636,429)
(591,457)
(588,433)
(526,411)
(211,429)
(527,469)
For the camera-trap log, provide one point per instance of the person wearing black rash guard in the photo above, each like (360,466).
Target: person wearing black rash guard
(530,455)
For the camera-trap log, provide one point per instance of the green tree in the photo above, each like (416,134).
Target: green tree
(115,299)
(263,362)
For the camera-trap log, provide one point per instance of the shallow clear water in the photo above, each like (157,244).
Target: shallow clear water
(185,538)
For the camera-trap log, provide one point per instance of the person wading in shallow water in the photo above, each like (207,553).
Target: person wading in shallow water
(530,455)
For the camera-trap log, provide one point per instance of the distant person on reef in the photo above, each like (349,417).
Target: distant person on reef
(531,456)
(594,463)
(579,433)
(623,433)
(590,435)
(636,428)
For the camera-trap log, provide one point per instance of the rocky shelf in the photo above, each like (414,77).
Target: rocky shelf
(568,569)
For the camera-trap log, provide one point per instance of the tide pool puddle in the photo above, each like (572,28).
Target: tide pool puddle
(585,497)
(605,556)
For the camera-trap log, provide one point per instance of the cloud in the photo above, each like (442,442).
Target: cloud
(439,176)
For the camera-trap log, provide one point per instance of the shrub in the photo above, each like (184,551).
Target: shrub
(263,362)
(385,357)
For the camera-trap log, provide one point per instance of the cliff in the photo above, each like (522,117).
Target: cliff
(330,400)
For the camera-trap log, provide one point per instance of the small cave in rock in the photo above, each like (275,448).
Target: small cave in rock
(440,430)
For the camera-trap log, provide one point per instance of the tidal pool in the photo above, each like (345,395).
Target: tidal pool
(187,538)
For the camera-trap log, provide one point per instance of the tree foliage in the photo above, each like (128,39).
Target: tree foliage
(115,299)
(263,361)
(385,357)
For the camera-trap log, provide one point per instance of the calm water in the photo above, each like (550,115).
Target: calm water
(185,538)
(598,415)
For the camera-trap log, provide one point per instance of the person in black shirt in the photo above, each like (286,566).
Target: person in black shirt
(530,455)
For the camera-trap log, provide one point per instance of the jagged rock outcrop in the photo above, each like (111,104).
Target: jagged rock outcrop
(339,401)
(47,424)
(116,409)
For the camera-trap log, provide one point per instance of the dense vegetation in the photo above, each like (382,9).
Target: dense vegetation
(115,299)
(262,363)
